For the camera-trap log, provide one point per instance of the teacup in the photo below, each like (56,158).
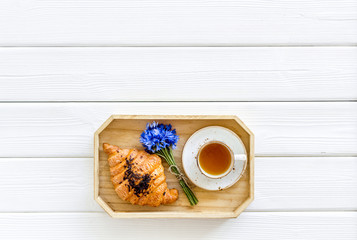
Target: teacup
(215,159)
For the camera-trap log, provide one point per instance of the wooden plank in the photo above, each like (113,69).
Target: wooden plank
(180,23)
(260,225)
(280,129)
(178,74)
(305,184)
(47,185)
(281,184)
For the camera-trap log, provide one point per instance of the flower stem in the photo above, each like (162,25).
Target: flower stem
(166,153)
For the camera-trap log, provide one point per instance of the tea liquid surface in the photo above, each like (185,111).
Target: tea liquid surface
(215,158)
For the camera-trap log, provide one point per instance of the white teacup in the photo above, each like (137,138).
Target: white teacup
(190,158)
(233,158)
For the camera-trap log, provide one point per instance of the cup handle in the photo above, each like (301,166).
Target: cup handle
(240,157)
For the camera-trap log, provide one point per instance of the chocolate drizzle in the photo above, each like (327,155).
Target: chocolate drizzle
(138,182)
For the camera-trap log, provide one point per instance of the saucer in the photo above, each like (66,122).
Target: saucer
(193,145)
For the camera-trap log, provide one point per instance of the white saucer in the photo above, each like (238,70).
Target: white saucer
(193,145)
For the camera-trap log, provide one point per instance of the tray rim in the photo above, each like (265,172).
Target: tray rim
(173,214)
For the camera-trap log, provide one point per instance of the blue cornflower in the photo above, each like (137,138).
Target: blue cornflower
(158,136)
(161,139)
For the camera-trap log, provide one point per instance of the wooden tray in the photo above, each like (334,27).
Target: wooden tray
(124,131)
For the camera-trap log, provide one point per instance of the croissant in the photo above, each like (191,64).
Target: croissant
(138,177)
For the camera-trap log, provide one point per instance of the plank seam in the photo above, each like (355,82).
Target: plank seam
(249,211)
(258,155)
(282,45)
(190,101)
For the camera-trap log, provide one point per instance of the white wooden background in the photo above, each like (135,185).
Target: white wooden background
(288,69)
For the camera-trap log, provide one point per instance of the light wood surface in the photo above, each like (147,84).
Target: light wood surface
(178,74)
(280,129)
(124,131)
(281,184)
(250,225)
(178,23)
(288,69)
